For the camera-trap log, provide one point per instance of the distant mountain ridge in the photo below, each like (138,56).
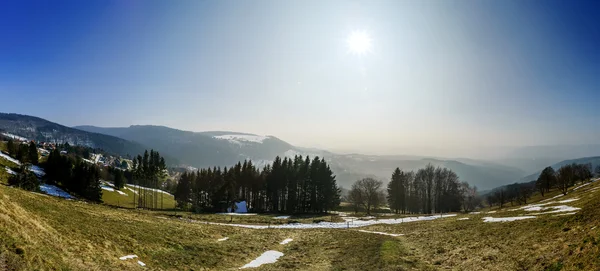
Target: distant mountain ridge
(595,161)
(224,148)
(38,129)
(201,149)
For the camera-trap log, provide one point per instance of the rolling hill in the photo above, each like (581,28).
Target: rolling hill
(204,149)
(219,148)
(38,129)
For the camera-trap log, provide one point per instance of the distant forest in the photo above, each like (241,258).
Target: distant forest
(298,185)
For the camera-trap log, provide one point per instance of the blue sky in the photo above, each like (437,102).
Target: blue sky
(442,77)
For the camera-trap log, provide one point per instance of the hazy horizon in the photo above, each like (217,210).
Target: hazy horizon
(431,78)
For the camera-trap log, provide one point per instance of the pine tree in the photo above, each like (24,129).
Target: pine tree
(24,179)
(119,181)
(32,156)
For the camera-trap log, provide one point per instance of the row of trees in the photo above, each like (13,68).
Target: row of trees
(26,153)
(428,190)
(74,175)
(24,179)
(148,171)
(517,193)
(565,177)
(297,185)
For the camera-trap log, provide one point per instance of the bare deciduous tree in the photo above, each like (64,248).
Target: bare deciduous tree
(367,193)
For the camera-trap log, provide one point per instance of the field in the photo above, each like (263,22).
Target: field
(41,232)
(128,193)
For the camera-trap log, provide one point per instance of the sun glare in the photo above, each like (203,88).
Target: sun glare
(359,42)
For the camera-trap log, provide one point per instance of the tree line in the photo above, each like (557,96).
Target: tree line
(74,175)
(428,190)
(26,153)
(298,185)
(566,176)
(148,171)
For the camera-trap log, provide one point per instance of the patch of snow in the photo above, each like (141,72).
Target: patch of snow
(146,188)
(532,208)
(557,196)
(10,158)
(121,192)
(491,212)
(236,213)
(463,218)
(475,213)
(282,217)
(505,219)
(270,256)
(107,188)
(240,139)
(334,225)
(382,233)
(286,241)
(135,192)
(222,239)
(38,171)
(560,209)
(568,200)
(15,137)
(141,263)
(10,171)
(585,184)
(87,160)
(54,191)
(127,257)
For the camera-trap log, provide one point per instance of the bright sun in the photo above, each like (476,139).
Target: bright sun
(359,42)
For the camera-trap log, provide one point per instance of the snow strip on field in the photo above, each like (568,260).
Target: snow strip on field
(491,212)
(222,239)
(54,191)
(557,196)
(107,188)
(531,209)
(463,218)
(333,225)
(236,213)
(121,192)
(10,171)
(128,257)
(505,219)
(10,158)
(539,206)
(475,213)
(270,256)
(141,263)
(585,184)
(286,241)
(382,233)
(560,209)
(151,189)
(282,217)
(38,171)
(568,200)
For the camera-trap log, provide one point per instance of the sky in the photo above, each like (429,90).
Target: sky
(450,78)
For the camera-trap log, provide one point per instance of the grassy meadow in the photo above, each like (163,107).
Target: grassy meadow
(41,232)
